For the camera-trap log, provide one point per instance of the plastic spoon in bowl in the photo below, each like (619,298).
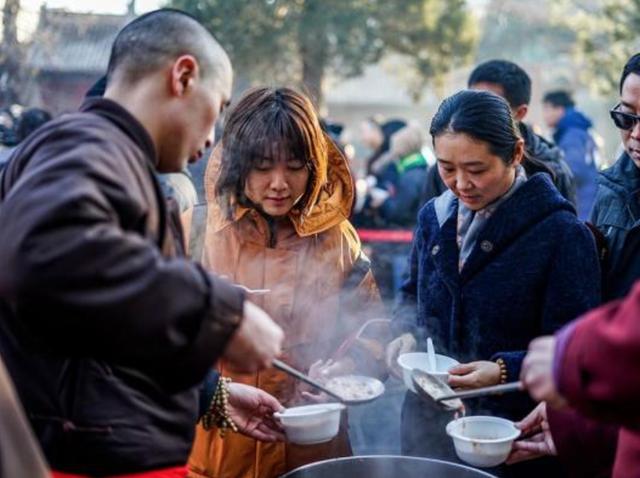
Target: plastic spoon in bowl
(431,354)
(373,384)
(305,378)
(434,389)
(431,388)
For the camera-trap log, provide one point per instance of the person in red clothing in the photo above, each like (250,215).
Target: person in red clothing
(585,447)
(591,365)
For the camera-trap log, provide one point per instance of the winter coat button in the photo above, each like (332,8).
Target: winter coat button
(435,250)
(486,246)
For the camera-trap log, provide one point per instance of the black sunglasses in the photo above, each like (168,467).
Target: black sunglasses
(625,121)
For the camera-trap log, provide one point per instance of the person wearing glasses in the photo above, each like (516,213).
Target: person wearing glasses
(616,212)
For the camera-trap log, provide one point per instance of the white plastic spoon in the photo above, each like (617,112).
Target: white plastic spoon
(431,354)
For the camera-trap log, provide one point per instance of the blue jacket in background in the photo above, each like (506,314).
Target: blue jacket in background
(404,179)
(534,268)
(616,213)
(572,136)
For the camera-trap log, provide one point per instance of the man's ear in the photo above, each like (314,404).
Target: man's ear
(184,73)
(520,112)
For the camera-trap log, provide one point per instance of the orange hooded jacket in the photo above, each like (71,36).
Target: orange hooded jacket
(321,291)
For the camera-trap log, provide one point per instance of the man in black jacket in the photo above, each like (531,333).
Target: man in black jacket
(106,330)
(508,80)
(616,211)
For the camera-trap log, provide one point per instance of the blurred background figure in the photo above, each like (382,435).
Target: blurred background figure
(372,191)
(393,202)
(29,121)
(7,132)
(376,136)
(402,171)
(571,132)
(335,131)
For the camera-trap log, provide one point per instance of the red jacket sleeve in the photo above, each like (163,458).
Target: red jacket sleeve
(586,448)
(599,370)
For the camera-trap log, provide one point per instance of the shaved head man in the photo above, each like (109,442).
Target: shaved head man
(107,331)
(177,79)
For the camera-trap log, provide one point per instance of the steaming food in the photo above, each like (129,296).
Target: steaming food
(356,388)
(435,388)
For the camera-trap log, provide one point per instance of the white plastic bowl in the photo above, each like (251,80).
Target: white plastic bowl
(311,424)
(420,360)
(483,441)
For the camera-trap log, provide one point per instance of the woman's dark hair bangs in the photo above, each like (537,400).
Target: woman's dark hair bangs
(263,125)
(481,115)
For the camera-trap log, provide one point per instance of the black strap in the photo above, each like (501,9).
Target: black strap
(600,240)
(197,232)
(358,272)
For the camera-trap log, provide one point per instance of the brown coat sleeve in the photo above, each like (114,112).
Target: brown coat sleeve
(86,277)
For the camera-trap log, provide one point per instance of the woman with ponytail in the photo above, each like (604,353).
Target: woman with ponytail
(497,260)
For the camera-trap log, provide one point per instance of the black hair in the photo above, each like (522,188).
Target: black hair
(515,82)
(334,130)
(145,44)
(559,98)
(98,88)
(632,66)
(29,121)
(483,116)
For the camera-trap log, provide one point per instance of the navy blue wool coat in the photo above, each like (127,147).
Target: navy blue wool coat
(533,269)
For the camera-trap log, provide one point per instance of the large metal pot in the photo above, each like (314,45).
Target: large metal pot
(385,466)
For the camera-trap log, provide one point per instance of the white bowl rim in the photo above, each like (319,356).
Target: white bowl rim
(399,359)
(483,418)
(316,409)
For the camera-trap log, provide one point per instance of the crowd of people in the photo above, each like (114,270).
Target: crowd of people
(138,324)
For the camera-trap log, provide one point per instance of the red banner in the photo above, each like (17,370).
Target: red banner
(177,472)
(385,235)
